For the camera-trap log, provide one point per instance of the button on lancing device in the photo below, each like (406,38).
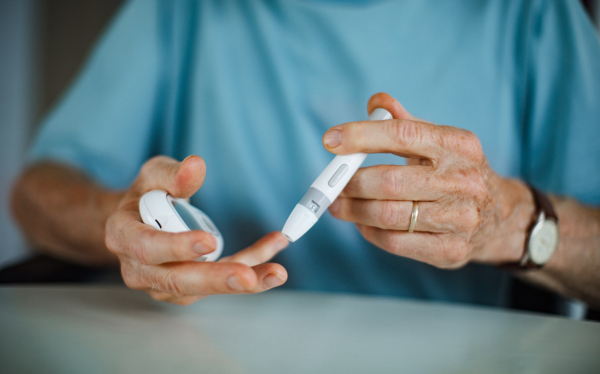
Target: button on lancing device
(338,175)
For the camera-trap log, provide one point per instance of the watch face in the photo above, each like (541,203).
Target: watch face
(543,241)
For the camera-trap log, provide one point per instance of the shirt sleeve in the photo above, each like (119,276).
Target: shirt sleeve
(106,122)
(562,120)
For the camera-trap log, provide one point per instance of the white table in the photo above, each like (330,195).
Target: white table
(88,329)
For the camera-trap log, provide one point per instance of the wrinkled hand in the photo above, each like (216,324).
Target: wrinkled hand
(161,263)
(466,211)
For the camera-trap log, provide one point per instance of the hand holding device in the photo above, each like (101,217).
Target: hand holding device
(161,263)
(446,206)
(326,188)
(167,213)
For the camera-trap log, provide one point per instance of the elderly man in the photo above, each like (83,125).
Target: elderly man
(252,86)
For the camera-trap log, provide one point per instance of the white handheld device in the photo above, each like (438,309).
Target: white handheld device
(167,213)
(326,188)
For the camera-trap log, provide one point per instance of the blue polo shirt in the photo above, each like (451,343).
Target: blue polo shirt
(251,86)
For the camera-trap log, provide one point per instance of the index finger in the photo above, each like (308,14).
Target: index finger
(261,251)
(402,137)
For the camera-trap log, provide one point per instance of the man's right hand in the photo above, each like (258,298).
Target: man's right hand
(161,263)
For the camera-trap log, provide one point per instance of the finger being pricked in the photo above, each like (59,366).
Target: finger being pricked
(261,251)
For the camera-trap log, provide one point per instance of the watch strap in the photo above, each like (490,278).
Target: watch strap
(542,204)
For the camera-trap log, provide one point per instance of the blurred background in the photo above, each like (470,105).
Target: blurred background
(43,43)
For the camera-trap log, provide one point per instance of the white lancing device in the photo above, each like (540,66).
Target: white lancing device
(326,188)
(167,213)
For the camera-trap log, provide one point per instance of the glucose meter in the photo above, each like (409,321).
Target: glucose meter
(167,213)
(326,188)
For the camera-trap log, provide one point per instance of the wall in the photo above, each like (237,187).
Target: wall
(597,15)
(43,43)
(17,107)
(68,31)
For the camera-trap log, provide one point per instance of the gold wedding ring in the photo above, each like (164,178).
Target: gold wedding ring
(414,216)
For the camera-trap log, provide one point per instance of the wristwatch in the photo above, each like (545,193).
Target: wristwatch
(542,239)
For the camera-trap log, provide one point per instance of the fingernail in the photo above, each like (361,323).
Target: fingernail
(333,138)
(272,280)
(333,208)
(235,283)
(184,160)
(203,248)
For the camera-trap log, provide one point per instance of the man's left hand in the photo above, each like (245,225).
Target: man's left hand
(466,211)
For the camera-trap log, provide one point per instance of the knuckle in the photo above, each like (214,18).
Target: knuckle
(139,251)
(176,249)
(172,285)
(455,254)
(220,285)
(111,241)
(357,185)
(470,143)
(131,279)
(113,234)
(404,133)
(216,279)
(149,166)
(471,219)
(472,183)
(109,233)
(390,215)
(390,182)
(441,219)
(478,187)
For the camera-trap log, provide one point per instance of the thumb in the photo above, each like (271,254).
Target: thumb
(385,101)
(180,179)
